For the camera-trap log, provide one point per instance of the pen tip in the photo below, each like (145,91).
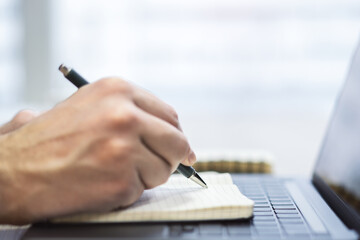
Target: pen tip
(201,182)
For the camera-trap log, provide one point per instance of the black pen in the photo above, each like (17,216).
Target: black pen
(79,81)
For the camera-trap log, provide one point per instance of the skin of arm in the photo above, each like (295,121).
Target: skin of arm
(96,151)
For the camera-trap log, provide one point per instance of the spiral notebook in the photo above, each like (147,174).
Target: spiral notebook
(180,199)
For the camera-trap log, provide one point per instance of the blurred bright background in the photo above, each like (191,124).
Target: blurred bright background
(255,75)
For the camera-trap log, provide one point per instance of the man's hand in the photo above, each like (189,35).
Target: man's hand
(96,151)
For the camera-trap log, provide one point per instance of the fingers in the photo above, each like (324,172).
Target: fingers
(164,140)
(20,119)
(190,160)
(146,102)
(153,169)
(153,105)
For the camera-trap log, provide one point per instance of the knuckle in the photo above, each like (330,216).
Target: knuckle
(111,146)
(24,116)
(129,117)
(109,83)
(117,149)
(115,85)
(125,153)
(125,117)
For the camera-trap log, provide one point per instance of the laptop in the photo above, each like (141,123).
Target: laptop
(324,207)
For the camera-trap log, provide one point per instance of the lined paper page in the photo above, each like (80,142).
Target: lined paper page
(180,199)
(211,178)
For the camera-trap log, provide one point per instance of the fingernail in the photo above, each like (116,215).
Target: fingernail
(192,157)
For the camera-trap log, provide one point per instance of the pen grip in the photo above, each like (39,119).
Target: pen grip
(187,171)
(76,79)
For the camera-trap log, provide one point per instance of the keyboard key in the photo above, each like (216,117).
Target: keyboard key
(264,218)
(262,205)
(277,195)
(268,213)
(253,196)
(282,204)
(281,201)
(287,205)
(280,197)
(274,188)
(247,193)
(284,207)
(268,209)
(265,223)
(252,186)
(262,198)
(262,210)
(286,211)
(254,189)
(294,216)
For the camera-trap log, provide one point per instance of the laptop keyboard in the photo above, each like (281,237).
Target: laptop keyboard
(275,213)
(276,216)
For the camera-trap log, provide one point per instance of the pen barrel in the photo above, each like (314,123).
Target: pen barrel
(76,79)
(185,170)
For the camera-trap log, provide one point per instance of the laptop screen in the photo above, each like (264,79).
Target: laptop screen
(339,161)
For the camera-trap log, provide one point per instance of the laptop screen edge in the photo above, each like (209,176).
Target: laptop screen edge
(346,213)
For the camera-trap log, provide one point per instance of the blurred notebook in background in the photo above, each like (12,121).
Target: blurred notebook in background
(234,161)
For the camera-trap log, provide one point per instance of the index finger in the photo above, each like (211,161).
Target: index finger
(156,107)
(153,105)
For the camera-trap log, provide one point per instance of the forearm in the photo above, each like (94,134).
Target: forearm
(10,201)
(7,181)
